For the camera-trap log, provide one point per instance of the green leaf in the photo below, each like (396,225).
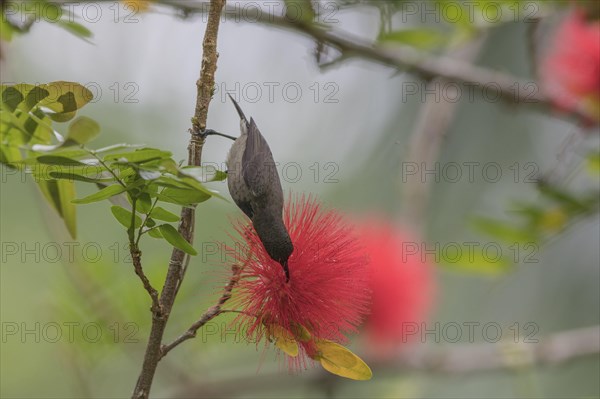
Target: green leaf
(420,38)
(73,153)
(58,160)
(162,214)
(570,203)
(117,147)
(173,237)
(48,172)
(75,28)
(485,259)
(184,197)
(144,203)
(23,127)
(13,97)
(341,361)
(139,156)
(155,233)
(503,231)
(71,177)
(65,98)
(204,173)
(123,216)
(82,130)
(60,193)
(593,163)
(6,31)
(553,220)
(171,182)
(196,185)
(103,194)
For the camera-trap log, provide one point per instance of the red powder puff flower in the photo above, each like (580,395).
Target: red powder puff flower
(327,295)
(402,285)
(570,73)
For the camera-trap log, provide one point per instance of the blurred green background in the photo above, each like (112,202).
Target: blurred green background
(353,120)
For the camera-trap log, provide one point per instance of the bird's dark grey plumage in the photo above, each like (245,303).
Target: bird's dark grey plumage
(255,187)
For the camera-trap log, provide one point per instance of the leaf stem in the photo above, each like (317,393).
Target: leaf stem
(136,257)
(92,153)
(140,230)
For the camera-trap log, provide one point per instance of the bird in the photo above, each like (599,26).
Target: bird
(255,187)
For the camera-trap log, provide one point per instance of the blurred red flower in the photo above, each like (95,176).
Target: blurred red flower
(328,292)
(570,74)
(402,285)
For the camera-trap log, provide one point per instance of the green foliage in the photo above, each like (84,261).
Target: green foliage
(474,259)
(532,224)
(538,221)
(422,38)
(18,18)
(27,113)
(451,22)
(593,163)
(145,175)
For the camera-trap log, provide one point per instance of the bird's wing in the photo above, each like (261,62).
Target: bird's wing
(258,167)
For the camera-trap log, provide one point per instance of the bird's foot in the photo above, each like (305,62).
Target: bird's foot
(211,132)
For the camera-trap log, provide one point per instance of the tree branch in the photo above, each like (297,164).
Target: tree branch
(186,226)
(463,359)
(427,66)
(136,258)
(471,358)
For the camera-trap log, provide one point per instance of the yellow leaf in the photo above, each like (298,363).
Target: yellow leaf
(591,106)
(593,163)
(138,5)
(341,361)
(64,97)
(554,219)
(300,332)
(284,339)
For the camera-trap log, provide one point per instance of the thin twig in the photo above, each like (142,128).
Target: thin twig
(186,225)
(112,172)
(210,314)
(134,251)
(136,258)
